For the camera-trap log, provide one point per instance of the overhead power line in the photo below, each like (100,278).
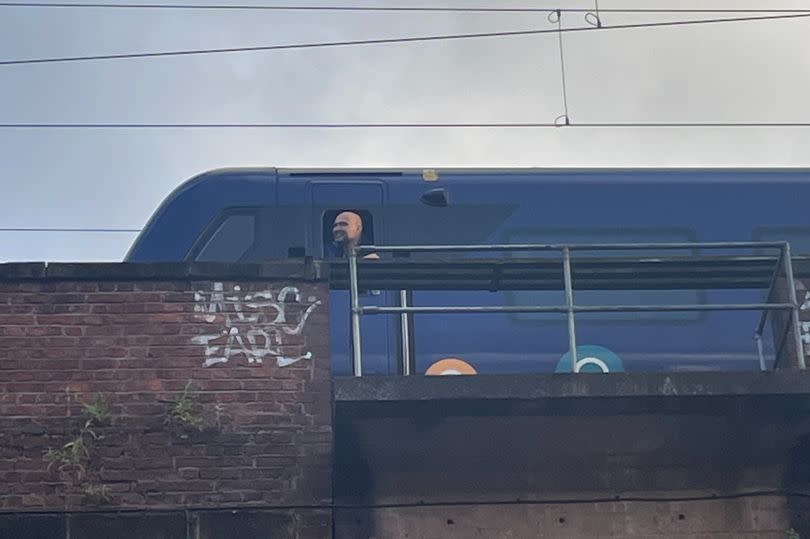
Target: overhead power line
(448,9)
(444,37)
(105,230)
(492,125)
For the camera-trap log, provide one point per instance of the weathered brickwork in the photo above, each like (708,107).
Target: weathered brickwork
(218,393)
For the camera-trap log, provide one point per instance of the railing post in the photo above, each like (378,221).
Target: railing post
(569,301)
(763,319)
(405,334)
(357,356)
(760,354)
(797,335)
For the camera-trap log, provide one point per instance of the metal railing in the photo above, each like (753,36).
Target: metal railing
(783,263)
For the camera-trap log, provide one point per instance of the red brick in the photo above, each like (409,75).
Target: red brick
(178,297)
(106,309)
(218,385)
(91,331)
(72,331)
(108,352)
(33,500)
(261,385)
(165,307)
(18,376)
(64,364)
(9,364)
(95,364)
(58,342)
(103,297)
(189,472)
(15,331)
(22,387)
(275,462)
(16,320)
(131,341)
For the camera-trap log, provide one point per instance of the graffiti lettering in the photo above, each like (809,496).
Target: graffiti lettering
(253,325)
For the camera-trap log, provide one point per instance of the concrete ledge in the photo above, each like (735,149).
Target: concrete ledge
(715,393)
(567,386)
(22,270)
(729,393)
(555,435)
(299,269)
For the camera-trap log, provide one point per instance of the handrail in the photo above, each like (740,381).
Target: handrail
(783,263)
(571,247)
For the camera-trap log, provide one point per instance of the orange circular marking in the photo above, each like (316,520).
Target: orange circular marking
(450,366)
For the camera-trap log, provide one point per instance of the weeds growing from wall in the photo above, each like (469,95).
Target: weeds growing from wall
(77,464)
(71,460)
(74,454)
(187,412)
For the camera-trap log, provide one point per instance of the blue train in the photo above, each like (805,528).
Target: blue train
(255,214)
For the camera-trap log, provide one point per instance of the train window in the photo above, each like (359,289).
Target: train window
(610,297)
(231,240)
(453,225)
(797,236)
(333,250)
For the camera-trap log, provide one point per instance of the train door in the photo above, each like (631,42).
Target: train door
(366,198)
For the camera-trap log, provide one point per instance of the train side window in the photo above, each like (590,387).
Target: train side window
(231,240)
(797,236)
(333,250)
(610,297)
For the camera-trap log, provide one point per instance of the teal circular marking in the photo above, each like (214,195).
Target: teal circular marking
(591,358)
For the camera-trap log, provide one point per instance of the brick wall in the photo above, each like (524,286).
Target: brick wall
(217,390)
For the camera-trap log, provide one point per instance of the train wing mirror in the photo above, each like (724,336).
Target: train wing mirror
(439,197)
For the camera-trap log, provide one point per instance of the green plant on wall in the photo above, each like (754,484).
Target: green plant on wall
(74,455)
(76,452)
(186,409)
(792,534)
(98,410)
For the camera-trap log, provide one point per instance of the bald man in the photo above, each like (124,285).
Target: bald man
(347,230)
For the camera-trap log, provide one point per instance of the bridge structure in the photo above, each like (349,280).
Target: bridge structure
(281,448)
(524,453)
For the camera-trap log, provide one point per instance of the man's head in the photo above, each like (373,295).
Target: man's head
(347,229)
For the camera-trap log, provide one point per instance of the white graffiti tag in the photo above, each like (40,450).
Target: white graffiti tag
(253,325)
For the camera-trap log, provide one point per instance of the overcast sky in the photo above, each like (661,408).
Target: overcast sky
(732,72)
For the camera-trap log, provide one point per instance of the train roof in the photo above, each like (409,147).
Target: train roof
(736,174)
(496,170)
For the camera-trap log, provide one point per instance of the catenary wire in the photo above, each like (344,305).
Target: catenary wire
(558,18)
(426,9)
(443,37)
(90,230)
(504,125)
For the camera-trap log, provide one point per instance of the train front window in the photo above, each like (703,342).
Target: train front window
(231,241)
(339,227)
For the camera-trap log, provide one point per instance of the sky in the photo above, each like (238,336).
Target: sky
(102,178)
